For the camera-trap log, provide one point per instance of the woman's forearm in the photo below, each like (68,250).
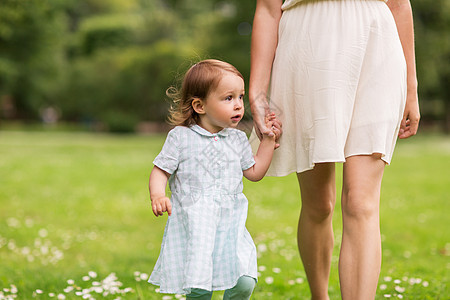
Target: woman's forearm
(264,43)
(402,12)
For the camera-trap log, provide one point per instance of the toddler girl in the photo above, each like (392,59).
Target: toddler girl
(206,246)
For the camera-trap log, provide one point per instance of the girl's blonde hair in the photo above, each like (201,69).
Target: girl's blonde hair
(198,82)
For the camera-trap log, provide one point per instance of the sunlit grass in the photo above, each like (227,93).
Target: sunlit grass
(75,220)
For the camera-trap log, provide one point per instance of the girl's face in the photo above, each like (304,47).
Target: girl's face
(224,106)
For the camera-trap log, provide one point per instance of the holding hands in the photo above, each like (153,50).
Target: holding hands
(273,126)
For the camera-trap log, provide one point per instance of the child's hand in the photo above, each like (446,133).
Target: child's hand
(275,125)
(161,205)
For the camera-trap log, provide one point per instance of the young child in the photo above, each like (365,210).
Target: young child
(206,246)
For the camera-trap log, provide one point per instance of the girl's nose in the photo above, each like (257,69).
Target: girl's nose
(238,104)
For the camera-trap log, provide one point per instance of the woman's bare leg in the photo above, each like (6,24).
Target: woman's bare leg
(360,257)
(315,231)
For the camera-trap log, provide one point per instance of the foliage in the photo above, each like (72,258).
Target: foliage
(432,26)
(31,52)
(91,57)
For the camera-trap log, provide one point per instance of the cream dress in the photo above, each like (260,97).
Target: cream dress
(338,83)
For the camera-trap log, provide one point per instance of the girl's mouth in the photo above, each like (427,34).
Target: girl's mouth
(236,118)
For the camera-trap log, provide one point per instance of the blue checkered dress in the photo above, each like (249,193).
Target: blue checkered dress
(205,243)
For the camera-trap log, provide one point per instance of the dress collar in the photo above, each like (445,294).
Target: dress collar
(203,131)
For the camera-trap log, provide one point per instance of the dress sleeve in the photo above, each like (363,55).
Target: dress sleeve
(168,158)
(247,159)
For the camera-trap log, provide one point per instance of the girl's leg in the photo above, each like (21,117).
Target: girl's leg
(360,258)
(242,290)
(199,294)
(315,231)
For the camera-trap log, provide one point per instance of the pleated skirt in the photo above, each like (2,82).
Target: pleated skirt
(338,83)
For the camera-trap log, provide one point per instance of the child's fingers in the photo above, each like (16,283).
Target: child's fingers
(277,123)
(163,208)
(156,208)
(169,207)
(277,132)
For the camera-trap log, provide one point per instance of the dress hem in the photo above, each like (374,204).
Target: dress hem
(184,290)
(301,170)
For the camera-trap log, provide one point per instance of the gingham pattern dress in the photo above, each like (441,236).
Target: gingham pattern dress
(205,243)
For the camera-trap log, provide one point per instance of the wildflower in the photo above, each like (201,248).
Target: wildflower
(425,283)
(262,268)
(387,278)
(43,233)
(399,289)
(13,222)
(92,274)
(269,280)
(13,289)
(276,270)
(299,280)
(383,287)
(262,247)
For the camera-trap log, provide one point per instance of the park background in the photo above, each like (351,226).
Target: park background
(83,113)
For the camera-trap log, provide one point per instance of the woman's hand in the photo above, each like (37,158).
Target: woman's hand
(261,114)
(411,116)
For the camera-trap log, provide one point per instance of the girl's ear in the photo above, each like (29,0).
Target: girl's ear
(198,106)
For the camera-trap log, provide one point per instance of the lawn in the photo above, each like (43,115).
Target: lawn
(75,220)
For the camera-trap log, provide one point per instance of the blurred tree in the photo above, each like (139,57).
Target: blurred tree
(432,27)
(112,61)
(31,53)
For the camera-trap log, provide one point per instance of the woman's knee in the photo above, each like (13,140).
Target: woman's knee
(319,206)
(318,192)
(361,186)
(242,290)
(359,205)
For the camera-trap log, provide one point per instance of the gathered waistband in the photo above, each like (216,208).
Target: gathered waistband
(291,3)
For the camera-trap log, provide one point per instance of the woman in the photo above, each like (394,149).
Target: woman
(343,83)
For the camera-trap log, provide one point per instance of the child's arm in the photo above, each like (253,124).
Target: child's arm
(264,154)
(157,187)
(263,158)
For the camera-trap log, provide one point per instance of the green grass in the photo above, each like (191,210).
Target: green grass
(74,203)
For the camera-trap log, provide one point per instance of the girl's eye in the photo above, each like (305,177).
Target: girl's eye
(229,98)
(241,96)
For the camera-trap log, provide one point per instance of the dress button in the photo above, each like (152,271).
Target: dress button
(216,138)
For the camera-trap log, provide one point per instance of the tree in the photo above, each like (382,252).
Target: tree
(432,28)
